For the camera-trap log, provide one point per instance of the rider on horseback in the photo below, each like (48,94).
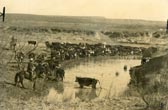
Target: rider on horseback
(30,68)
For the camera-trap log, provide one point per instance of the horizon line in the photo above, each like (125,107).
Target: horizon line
(90,17)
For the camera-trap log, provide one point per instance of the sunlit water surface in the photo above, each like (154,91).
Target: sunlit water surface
(104,70)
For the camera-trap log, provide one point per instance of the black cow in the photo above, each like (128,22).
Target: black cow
(125,67)
(60,74)
(48,45)
(32,42)
(85,81)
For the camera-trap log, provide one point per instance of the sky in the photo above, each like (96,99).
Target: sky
(116,9)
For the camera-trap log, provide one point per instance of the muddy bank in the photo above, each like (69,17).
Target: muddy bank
(150,82)
(146,72)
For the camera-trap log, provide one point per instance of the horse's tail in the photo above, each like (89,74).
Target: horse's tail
(99,83)
(16,78)
(63,74)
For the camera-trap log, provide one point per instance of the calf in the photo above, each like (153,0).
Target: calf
(32,42)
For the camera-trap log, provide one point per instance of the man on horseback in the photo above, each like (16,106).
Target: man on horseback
(30,68)
(19,77)
(59,72)
(19,56)
(40,69)
(13,43)
(29,75)
(52,64)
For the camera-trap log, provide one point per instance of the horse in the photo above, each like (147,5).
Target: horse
(21,75)
(30,75)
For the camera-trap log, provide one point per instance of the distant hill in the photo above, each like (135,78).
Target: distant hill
(84,23)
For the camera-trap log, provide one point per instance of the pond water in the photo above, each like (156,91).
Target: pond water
(104,70)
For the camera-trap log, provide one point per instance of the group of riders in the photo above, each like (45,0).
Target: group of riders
(36,67)
(47,70)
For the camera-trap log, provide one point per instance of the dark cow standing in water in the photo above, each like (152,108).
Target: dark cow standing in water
(60,74)
(125,67)
(85,81)
(32,42)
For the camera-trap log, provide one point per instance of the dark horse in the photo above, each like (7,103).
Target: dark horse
(21,75)
(39,71)
(60,74)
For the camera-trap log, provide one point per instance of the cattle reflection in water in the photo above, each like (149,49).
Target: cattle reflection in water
(59,87)
(87,94)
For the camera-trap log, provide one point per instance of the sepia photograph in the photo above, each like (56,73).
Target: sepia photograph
(83,54)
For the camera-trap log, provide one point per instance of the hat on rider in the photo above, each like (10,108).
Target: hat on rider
(31,59)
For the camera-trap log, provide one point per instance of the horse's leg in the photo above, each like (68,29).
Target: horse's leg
(14,48)
(18,65)
(16,84)
(17,80)
(62,77)
(11,47)
(31,76)
(22,83)
(44,76)
(34,84)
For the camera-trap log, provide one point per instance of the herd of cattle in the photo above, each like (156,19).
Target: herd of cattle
(67,51)
(45,65)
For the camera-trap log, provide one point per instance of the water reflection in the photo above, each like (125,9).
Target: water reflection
(110,72)
(59,87)
(86,94)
